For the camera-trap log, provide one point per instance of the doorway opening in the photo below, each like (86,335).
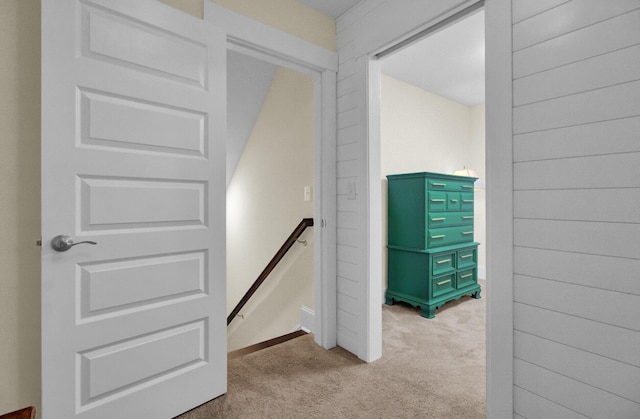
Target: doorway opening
(270,184)
(428,115)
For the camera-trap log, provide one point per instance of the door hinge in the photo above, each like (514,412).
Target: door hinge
(39,243)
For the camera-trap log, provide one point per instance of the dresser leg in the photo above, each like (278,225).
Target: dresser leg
(476,294)
(389,300)
(429,312)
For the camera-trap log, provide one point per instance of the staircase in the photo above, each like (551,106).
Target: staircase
(272,299)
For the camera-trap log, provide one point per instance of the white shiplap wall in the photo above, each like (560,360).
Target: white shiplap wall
(576,123)
(367,28)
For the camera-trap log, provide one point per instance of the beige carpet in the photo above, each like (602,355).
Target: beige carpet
(429,369)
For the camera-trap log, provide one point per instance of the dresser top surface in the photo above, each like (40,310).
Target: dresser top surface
(430,175)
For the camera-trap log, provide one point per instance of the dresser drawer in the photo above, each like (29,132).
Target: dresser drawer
(449,201)
(445,236)
(466,202)
(466,277)
(467,258)
(449,185)
(443,284)
(442,263)
(453,201)
(449,219)
(437,201)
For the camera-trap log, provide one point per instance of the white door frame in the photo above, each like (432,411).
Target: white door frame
(258,40)
(499,172)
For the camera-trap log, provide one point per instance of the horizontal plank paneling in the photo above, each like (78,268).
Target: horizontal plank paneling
(346,205)
(524,9)
(599,338)
(346,300)
(346,102)
(347,68)
(606,137)
(606,306)
(620,101)
(346,85)
(348,287)
(607,239)
(616,67)
(533,406)
(346,52)
(347,220)
(348,118)
(609,171)
(347,318)
(352,16)
(612,34)
(348,237)
(342,185)
(576,177)
(603,373)
(574,395)
(347,254)
(347,135)
(346,168)
(347,270)
(580,269)
(612,205)
(346,152)
(348,340)
(566,18)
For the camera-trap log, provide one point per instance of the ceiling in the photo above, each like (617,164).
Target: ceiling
(449,63)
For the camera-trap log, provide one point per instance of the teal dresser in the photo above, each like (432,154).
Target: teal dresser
(432,257)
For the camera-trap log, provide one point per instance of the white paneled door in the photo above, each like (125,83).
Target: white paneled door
(133,159)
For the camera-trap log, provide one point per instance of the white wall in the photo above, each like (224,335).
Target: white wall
(424,132)
(576,119)
(264,204)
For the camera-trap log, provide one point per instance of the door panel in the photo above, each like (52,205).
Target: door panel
(133,158)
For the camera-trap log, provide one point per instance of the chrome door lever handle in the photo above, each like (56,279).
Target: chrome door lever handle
(62,243)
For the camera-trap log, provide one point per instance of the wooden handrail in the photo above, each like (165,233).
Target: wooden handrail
(297,232)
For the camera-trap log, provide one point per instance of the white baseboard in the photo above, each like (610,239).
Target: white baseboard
(307,319)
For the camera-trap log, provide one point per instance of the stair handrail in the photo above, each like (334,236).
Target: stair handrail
(288,243)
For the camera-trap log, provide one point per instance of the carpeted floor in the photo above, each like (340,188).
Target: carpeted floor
(429,369)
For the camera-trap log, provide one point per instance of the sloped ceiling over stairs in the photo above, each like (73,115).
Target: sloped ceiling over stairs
(248,84)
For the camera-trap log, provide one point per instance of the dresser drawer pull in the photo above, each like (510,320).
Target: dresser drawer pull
(437,200)
(440,236)
(454,200)
(438,219)
(465,276)
(464,233)
(468,201)
(467,217)
(466,187)
(440,262)
(443,282)
(439,184)
(465,256)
